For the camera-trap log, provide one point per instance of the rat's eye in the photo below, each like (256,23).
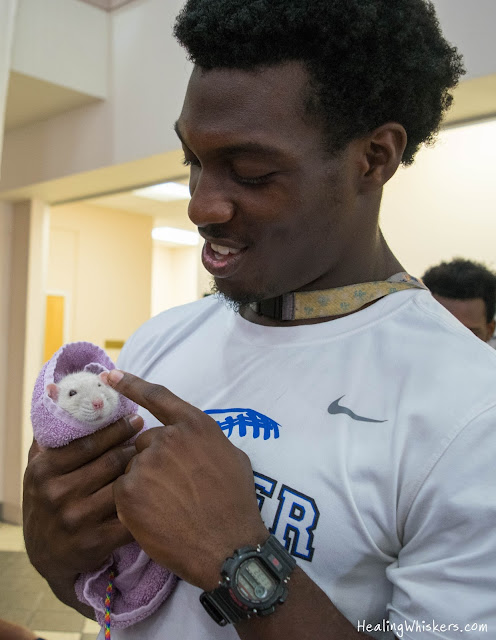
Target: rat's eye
(72,392)
(99,385)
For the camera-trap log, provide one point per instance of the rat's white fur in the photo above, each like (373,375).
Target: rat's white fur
(89,388)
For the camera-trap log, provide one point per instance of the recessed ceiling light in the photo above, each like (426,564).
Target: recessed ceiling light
(176,236)
(165,191)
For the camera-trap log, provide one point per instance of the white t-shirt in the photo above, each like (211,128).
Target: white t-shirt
(373,444)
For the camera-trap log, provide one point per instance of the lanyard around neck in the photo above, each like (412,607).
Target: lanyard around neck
(303,305)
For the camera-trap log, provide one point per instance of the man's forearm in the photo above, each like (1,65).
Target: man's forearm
(307,614)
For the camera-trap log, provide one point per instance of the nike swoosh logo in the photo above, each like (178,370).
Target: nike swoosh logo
(335,408)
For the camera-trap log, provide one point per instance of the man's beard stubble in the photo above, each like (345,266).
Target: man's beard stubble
(233,303)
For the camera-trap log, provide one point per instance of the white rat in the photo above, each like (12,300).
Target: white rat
(86,397)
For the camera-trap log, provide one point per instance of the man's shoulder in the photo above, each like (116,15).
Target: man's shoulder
(450,334)
(452,371)
(444,372)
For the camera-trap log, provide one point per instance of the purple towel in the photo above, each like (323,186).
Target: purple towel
(52,426)
(140,585)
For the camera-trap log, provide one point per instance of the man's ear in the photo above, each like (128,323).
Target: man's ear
(382,152)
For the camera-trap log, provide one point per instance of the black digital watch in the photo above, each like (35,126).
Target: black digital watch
(254,581)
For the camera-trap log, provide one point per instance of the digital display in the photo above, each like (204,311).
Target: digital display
(254,582)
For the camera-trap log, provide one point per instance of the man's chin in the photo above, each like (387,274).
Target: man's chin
(235,301)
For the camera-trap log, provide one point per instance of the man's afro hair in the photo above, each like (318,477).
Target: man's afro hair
(369,61)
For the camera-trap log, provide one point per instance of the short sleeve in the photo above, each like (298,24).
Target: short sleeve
(445,573)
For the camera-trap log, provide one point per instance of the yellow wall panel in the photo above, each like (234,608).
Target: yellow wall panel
(54,324)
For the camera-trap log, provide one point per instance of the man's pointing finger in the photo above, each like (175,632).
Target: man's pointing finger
(159,401)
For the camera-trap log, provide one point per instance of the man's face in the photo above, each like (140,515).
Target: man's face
(471,313)
(263,186)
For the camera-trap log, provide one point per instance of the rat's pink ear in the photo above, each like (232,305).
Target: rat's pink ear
(53,391)
(104,377)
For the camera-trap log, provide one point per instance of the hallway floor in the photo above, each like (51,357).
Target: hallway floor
(26,599)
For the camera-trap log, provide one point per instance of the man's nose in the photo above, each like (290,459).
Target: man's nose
(210,202)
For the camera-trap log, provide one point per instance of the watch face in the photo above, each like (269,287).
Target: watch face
(254,582)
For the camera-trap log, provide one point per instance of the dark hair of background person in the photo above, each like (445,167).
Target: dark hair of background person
(463,280)
(369,61)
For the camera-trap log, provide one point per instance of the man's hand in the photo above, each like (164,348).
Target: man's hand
(188,497)
(70,520)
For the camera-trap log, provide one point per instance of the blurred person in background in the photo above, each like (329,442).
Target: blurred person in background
(11,631)
(466,289)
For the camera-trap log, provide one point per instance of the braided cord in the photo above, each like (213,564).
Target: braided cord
(108,601)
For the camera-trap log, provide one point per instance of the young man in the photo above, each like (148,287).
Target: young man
(353,406)
(468,290)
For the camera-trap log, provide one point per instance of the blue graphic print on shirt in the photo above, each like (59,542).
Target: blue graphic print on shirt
(297,514)
(244,419)
(296,517)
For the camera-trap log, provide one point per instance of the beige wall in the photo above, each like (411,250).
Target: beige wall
(175,277)
(445,204)
(6,221)
(102,258)
(28,230)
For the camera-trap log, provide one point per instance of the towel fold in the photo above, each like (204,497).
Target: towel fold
(140,585)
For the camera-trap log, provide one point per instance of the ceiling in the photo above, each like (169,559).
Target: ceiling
(107,5)
(169,214)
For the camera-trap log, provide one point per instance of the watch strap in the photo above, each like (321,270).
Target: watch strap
(221,607)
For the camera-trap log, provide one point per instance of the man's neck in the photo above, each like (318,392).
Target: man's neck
(384,268)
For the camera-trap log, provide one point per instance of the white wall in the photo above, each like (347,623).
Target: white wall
(8,11)
(149,79)
(445,204)
(149,73)
(65,42)
(469,25)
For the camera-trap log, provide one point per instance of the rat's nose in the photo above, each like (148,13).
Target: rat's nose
(98,404)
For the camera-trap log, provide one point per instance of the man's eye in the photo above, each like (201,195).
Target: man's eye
(191,163)
(258,180)
(72,392)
